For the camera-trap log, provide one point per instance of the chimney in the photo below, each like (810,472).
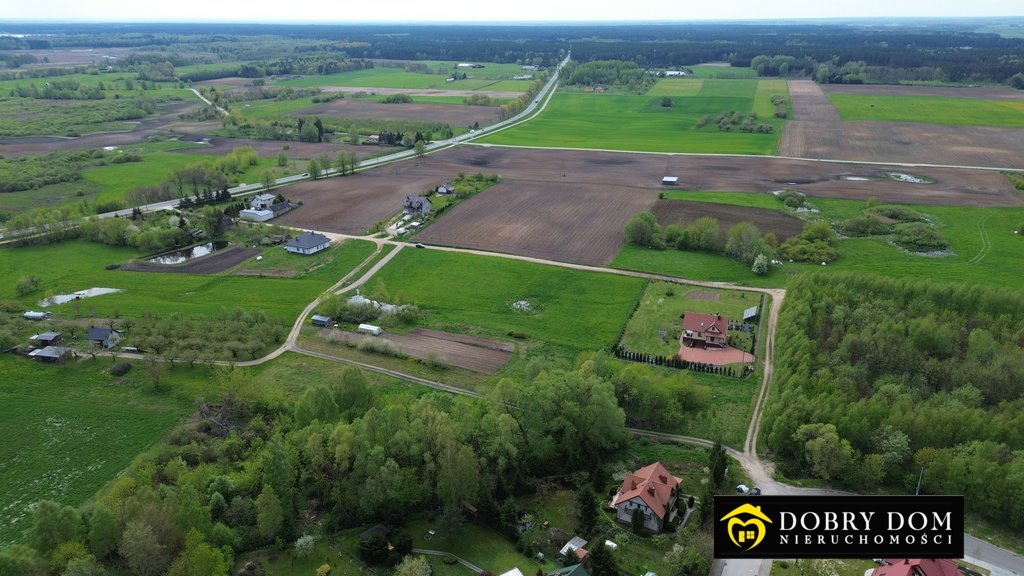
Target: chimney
(650,488)
(663,478)
(634,485)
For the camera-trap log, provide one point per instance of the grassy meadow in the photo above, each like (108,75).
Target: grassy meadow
(641,123)
(73,266)
(570,308)
(984,248)
(930,109)
(490,77)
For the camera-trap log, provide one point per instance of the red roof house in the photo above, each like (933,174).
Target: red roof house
(651,489)
(917,567)
(705,330)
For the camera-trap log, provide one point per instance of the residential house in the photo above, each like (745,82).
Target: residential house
(51,354)
(917,567)
(445,189)
(653,491)
(262,201)
(705,330)
(308,243)
(416,206)
(530,68)
(523,77)
(574,570)
(103,336)
(47,339)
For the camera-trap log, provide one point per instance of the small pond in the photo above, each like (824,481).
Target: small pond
(186,254)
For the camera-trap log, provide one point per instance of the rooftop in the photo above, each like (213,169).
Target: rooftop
(308,240)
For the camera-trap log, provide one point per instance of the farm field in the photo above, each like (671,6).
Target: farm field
(382,77)
(77,428)
(640,123)
(74,266)
(722,72)
(569,308)
(776,220)
(930,109)
(551,220)
(981,239)
(467,352)
(452,114)
(810,103)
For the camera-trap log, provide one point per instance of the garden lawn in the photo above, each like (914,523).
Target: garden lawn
(582,310)
(73,266)
(478,545)
(277,259)
(930,109)
(69,429)
(640,123)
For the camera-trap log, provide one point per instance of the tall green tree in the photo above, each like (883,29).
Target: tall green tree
(269,514)
(199,559)
(52,526)
(586,509)
(141,550)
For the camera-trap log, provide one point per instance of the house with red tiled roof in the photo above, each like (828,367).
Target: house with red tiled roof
(705,330)
(917,567)
(651,489)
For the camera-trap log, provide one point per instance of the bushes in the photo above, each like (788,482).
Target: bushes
(642,229)
(27,285)
(918,237)
(120,369)
(813,245)
(792,198)
(864,226)
(898,213)
(397,99)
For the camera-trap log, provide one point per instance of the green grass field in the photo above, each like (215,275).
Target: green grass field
(930,109)
(630,122)
(985,249)
(722,72)
(73,266)
(77,427)
(490,77)
(570,308)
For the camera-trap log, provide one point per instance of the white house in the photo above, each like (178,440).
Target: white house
(653,491)
(308,243)
(262,201)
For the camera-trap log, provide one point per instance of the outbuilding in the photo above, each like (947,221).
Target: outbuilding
(670,181)
(51,354)
(370,329)
(256,215)
(320,320)
(47,338)
(32,315)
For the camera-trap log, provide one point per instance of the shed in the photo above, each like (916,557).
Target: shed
(378,530)
(670,180)
(308,243)
(320,320)
(104,337)
(370,329)
(571,546)
(256,215)
(32,315)
(515,571)
(445,189)
(51,354)
(750,313)
(47,338)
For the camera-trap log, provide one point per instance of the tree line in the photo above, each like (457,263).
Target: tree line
(878,379)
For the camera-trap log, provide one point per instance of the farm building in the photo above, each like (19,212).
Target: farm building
(255,215)
(47,338)
(32,315)
(652,490)
(308,243)
(416,206)
(530,68)
(103,336)
(670,180)
(466,65)
(51,354)
(445,189)
(262,201)
(523,77)
(320,320)
(574,548)
(705,330)
(750,313)
(373,139)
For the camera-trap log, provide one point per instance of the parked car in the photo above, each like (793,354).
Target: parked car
(755,491)
(418,245)
(742,489)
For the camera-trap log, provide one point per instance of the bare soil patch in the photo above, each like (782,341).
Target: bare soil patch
(782,225)
(420,91)
(468,352)
(76,57)
(981,92)
(908,142)
(212,264)
(554,220)
(451,114)
(810,103)
(715,356)
(233,81)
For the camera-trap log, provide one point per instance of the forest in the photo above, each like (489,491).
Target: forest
(879,379)
(941,50)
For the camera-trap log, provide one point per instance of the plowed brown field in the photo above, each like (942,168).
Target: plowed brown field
(451,114)
(782,225)
(469,352)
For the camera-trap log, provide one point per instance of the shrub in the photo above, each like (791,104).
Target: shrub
(864,226)
(120,369)
(27,285)
(918,237)
(898,213)
(792,198)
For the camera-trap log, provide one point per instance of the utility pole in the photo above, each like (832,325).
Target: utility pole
(919,478)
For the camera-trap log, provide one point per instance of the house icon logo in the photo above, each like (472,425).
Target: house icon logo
(746,526)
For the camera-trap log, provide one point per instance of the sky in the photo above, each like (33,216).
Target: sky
(332,11)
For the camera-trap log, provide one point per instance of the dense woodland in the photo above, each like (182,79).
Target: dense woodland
(863,52)
(877,379)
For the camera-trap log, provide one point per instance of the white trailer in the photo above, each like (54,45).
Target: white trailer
(370,329)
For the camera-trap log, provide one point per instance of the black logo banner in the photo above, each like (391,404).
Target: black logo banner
(839,526)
